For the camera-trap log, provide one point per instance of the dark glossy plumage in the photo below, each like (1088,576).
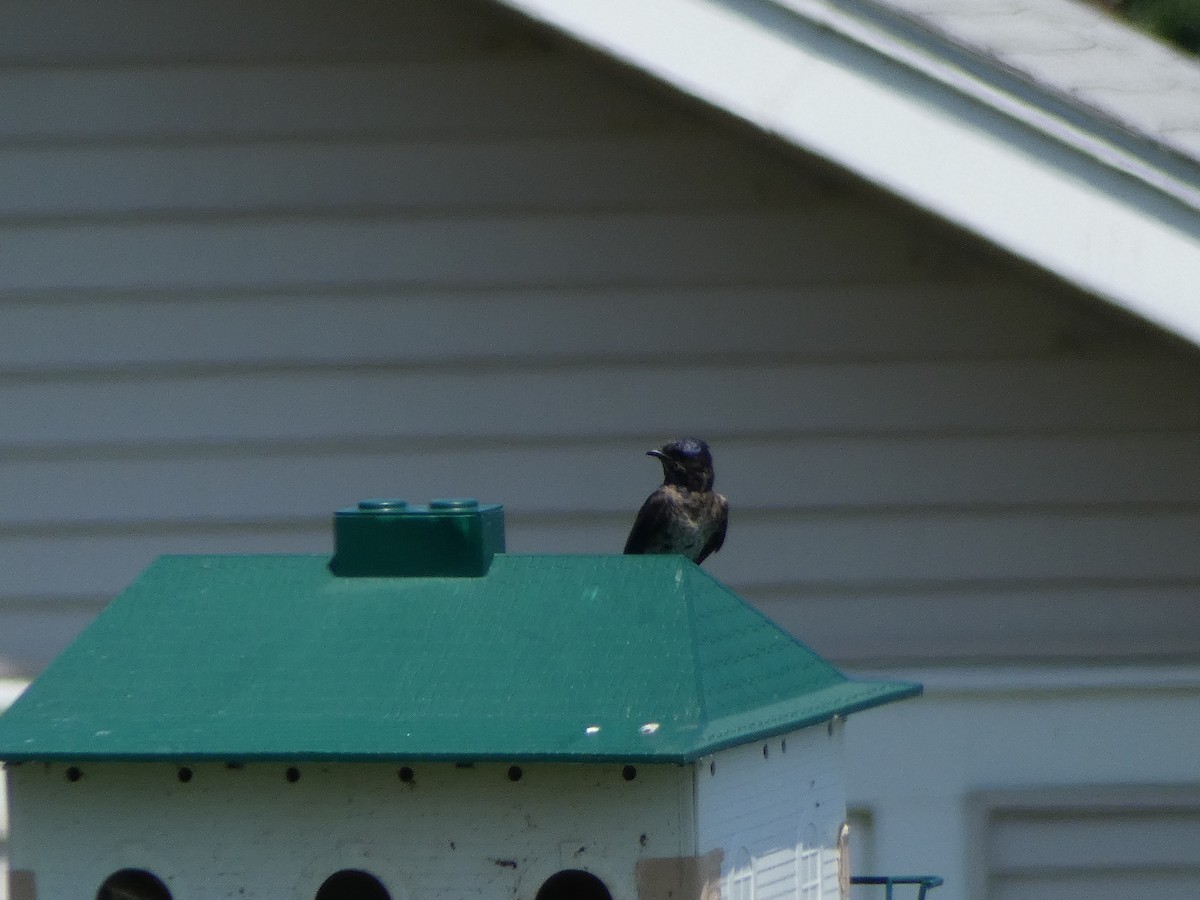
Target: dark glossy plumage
(685,515)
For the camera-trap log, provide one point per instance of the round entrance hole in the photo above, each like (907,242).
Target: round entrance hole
(573,884)
(352,884)
(132,884)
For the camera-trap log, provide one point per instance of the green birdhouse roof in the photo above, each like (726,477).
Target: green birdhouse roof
(280,657)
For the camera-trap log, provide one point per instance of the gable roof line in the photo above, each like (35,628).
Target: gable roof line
(1088,129)
(1079,52)
(1042,177)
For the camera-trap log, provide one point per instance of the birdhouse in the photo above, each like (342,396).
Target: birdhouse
(425,716)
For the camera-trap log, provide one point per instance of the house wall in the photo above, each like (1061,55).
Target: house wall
(1033,783)
(257,262)
(258,265)
(250,832)
(775,810)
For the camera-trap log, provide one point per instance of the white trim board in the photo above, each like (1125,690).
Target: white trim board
(10,690)
(1019,680)
(1031,181)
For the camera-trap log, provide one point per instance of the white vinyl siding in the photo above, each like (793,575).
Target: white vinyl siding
(1094,845)
(259,261)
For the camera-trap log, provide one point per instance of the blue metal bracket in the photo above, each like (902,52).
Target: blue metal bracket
(889,881)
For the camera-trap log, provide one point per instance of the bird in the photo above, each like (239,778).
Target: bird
(685,515)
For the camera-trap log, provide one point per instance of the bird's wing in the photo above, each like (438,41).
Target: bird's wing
(717,541)
(650,524)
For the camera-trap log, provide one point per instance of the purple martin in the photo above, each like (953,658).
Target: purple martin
(685,515)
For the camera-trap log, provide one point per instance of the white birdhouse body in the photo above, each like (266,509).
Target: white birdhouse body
(426,716)
(758,820)
(250,832)
(775,809)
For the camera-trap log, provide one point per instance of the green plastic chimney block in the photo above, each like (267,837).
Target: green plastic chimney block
(393,539)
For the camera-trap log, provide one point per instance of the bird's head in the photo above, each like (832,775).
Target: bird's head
(686,463)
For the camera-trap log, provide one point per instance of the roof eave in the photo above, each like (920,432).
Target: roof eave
(1049,184)
(838,700)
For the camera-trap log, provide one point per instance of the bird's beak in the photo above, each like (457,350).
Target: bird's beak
(656,453)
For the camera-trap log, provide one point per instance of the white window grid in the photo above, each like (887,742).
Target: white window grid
(808,873)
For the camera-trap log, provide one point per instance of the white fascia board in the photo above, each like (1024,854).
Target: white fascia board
(1024,680)
(10,690)
(924,130)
